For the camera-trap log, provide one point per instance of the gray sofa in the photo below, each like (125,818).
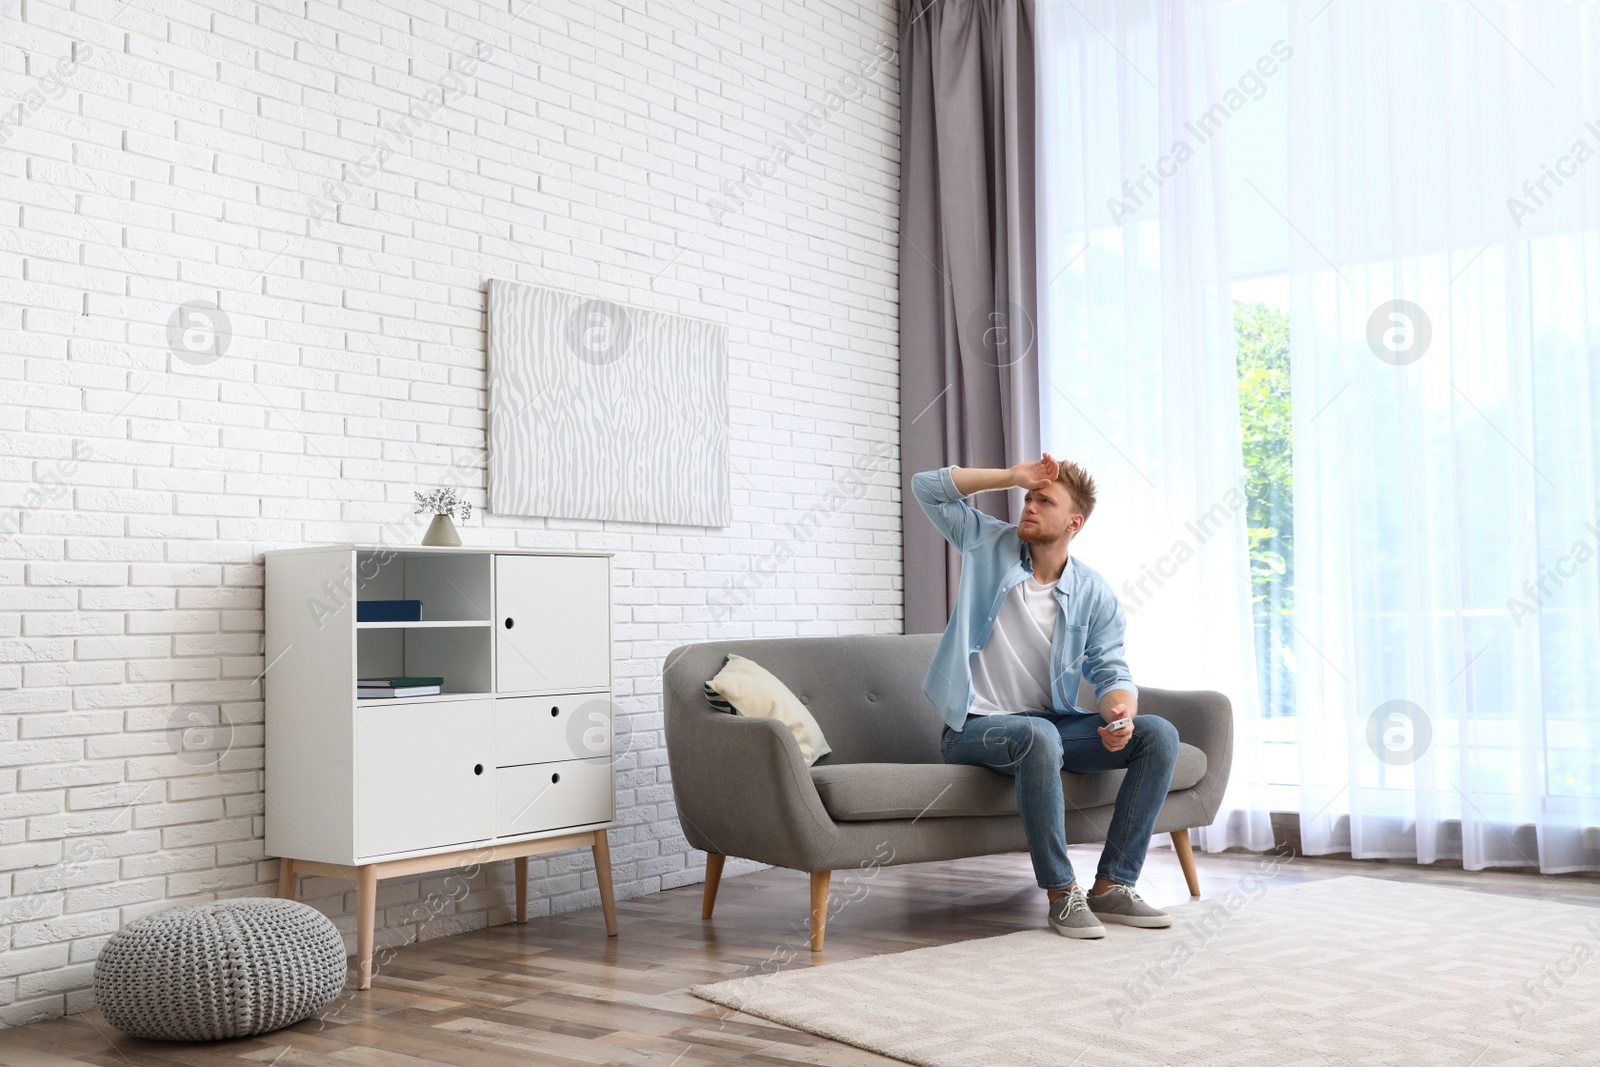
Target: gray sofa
(884,795)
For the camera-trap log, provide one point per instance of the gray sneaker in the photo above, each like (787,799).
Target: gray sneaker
(1122,904)
(1070,916)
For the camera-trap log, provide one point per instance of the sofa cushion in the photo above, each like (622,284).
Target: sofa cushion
(744,687)
(857,792)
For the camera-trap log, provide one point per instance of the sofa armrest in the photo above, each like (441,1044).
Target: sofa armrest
(1204,719)
(742,787)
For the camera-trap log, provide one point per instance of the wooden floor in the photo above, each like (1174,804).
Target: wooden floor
(558,991)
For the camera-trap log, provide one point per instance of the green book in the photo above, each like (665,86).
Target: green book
(396,683)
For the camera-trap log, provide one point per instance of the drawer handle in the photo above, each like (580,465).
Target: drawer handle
(554,711)
(477,768)
(510,622)
(554,778)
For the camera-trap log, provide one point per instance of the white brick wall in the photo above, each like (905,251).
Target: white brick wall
(731,161)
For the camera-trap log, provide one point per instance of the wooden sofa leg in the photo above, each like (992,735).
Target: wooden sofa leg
(819,907)
(714,863)
(1180,845)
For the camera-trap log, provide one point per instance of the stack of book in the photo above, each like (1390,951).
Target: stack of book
(390,688)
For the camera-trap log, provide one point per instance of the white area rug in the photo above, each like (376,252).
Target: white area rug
(1339,972)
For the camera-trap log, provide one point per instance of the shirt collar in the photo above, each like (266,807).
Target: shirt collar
(1064,586)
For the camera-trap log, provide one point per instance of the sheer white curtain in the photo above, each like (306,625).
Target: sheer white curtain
(1444,202)
(1437,239)
(1139,378)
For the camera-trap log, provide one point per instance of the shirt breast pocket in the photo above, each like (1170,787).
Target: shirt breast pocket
(1074,642)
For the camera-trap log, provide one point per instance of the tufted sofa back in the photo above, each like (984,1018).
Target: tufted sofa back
(865,690)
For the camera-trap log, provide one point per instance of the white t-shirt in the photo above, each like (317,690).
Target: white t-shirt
(1011,673)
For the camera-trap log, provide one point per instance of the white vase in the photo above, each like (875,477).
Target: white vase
(442,532)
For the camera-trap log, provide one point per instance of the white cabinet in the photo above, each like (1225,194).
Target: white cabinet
(552,623)
(514,758)
(522,641)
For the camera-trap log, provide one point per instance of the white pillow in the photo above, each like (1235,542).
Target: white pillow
(744,687)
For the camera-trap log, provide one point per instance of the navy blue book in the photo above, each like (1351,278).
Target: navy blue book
(388,611)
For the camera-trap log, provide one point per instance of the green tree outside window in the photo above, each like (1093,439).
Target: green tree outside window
(1262,337)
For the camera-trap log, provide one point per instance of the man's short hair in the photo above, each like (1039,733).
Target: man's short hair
(1079,484)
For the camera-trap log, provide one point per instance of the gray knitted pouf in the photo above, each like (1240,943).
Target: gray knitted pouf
(229,968)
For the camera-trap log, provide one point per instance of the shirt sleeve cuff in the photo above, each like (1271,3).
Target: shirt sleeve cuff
(1121,683)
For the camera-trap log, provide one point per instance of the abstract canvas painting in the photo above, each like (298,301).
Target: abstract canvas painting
(598,410)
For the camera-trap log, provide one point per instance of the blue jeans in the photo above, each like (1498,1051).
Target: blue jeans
(1035,749)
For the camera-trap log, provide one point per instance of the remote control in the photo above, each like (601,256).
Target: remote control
(1119,724)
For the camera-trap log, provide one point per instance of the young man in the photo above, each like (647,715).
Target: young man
(1027,618)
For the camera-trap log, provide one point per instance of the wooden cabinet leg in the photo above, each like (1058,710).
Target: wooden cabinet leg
(286,878)
(714,862)
(366,917)
(819,907)
(602,871)
(520,866)
(1180,845)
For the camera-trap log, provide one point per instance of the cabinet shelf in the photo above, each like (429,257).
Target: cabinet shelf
(423,624)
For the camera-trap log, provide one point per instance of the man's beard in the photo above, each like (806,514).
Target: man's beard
(1035,535)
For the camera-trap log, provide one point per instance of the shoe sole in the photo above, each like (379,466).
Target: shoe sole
(1082,933)
(1144,922)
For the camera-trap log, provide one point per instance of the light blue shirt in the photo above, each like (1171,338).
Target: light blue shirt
(1089,632)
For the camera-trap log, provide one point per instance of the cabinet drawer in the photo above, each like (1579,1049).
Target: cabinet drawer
(548,796)
(563,726)
(552,623)
(424,775)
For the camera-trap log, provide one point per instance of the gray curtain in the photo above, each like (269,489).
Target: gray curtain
(969,360)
